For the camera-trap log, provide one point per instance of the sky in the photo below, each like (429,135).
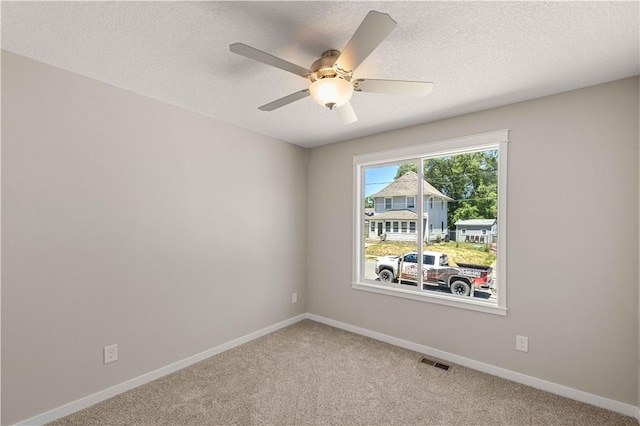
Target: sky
(377,178)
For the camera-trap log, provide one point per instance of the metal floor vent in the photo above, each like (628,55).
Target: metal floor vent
(445,367)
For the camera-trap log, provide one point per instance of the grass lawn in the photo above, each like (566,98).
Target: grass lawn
(457,252)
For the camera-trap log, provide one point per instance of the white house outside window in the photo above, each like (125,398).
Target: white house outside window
(425,172)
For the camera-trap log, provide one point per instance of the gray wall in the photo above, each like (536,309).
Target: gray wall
(576,298)
(129,221)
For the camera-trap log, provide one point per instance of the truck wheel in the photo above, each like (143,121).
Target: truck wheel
(386,276)
(460,288)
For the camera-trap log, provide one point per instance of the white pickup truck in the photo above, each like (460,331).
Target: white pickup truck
(435,272)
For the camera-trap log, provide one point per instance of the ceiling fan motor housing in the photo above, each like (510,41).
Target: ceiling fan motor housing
(323,67)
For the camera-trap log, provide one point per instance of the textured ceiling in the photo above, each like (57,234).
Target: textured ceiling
(478,54)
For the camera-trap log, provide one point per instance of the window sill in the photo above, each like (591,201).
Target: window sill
(440,299)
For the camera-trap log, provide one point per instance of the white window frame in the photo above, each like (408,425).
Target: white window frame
(390,203)
(473,143)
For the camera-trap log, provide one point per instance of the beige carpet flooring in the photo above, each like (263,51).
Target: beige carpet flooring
(313,374)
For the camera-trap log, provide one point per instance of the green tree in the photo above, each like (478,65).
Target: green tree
(470,179)
(368,202)
(404,168)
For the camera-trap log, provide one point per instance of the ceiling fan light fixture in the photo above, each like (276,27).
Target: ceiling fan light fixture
(331,92)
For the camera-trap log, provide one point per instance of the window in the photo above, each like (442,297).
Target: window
(476,193)
(372,226)
(484,232)
(387,227)
(411,258)
(411,202)
(388,203)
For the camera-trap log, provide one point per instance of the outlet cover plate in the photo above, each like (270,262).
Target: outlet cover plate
(522,343)
(110,353)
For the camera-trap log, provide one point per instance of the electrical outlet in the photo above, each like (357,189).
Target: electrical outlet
(294,297)
(110,353)
(522,343)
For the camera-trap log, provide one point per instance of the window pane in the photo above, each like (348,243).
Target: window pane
(466,229)
(391,192)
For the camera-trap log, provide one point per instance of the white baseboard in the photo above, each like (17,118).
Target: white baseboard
(72,407)
(90,400)
(598,401)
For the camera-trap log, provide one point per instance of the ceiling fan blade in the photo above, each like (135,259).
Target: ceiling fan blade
(393,87)
(346,114)
(266,58)
(285,101)
(372,31)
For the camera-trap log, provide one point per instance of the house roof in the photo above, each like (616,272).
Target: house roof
(407,186)
(476,222)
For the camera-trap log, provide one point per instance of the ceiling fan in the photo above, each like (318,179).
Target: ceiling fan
(331,75)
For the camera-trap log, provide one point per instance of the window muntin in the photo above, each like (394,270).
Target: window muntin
(388,203)
(425,154)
